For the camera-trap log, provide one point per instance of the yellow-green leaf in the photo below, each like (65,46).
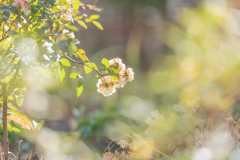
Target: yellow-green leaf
(83,24)
(74,47)
(78,17)
(61,73)
(81,53)
(97,24)
(19,101)
(87,20)
(115,78)
(87,69)
(65,62)
(93,65)
(10,97)
(73,75)
(94,16)
(76,4)
(74,28)
(79,88)
(105,63)
(20,118)
(15,129)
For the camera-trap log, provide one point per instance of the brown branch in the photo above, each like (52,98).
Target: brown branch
(95,2)
(4,119)
(1,150)
(20,149)
(32,152)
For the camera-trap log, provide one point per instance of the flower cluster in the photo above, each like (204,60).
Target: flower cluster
(107,85)
(22,4)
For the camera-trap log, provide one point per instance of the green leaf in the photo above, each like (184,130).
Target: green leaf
(94,16)
(105,63)
(88,20)
(81,53)
(61,72)
(78,17)
(74,47)
(115,78)
(19,101)
(20,118)
(87,69)
(70,50)
(65,62)
(34,19)
(74,75)
(116,70)
(93,65)
(15,129)
(83,24)
(74,28)
(79,88)
(76,4)
(97,24)
(10,97)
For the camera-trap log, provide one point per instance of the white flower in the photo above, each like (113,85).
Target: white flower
(106,86)
(124,76)
(129,74)
(49,46)
(120,83)
(68,34)
(117,63)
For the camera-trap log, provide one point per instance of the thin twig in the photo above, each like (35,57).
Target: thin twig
(84,64)
(32,152)
(20,149)
(95,2)
(164,155)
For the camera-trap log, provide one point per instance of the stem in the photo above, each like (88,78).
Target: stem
(32,152)
(164,155)
(4,119)
(83,64)
(20,150)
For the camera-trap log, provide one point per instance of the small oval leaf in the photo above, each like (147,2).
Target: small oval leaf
(105,63)
(87,69)
(19,101)
(79,88)
(94,65)
(74,75)
(83,24)
(97,24)
(94,16)
(65,62)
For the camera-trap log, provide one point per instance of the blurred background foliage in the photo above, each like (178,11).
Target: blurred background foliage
(178,49)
